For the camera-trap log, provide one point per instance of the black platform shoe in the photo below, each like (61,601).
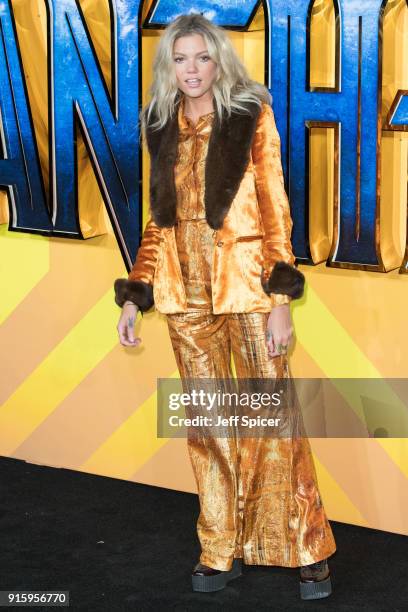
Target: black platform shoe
(315,581)
(206,579)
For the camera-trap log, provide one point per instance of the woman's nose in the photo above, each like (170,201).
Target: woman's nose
(191,67)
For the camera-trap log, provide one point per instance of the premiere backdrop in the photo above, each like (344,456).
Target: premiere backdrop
(70,395)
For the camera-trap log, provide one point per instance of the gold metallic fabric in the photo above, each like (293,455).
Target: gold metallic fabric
(194,237)
(255,233)
(259,497)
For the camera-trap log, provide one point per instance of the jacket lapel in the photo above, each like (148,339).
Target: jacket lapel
(227,158)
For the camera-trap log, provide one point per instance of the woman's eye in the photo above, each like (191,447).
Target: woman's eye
(204,58)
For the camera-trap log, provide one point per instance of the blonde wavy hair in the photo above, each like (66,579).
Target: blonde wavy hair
(232,86)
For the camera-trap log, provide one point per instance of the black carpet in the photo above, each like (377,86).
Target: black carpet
(116,545)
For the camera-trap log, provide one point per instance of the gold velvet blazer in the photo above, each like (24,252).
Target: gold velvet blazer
(247,207)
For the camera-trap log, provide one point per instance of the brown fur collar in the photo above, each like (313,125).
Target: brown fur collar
(227,158)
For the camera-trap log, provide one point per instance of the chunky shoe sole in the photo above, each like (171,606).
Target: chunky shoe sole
(316,590)
(207,584)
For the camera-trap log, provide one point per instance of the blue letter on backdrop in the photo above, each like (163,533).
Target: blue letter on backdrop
(110,126)
(20,170)
(340,107)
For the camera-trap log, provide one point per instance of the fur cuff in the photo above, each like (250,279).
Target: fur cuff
(285,278)
(138,292)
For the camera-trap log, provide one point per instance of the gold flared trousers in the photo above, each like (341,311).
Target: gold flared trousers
(259,497)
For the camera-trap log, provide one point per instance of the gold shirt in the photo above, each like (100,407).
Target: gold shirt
(194,237)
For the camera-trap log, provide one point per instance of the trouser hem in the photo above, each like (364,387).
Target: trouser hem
(263,559)
(225,565)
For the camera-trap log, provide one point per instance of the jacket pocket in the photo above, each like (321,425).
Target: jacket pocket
(249,238)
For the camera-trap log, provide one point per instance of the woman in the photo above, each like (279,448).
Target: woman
(216,259)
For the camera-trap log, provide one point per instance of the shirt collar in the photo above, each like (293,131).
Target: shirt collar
(187,126)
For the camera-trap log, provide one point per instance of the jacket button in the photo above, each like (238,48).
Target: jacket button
(220,243)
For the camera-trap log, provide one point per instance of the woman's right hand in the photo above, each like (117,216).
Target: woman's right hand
(126,325)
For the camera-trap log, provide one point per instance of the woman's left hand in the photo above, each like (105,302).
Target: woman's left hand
(279,330)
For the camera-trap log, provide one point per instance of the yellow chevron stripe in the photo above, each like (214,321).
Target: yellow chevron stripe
(24,261)
(397,449)
(337,354)
(342,358)
(59,373)
(131,445)
(336,498)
